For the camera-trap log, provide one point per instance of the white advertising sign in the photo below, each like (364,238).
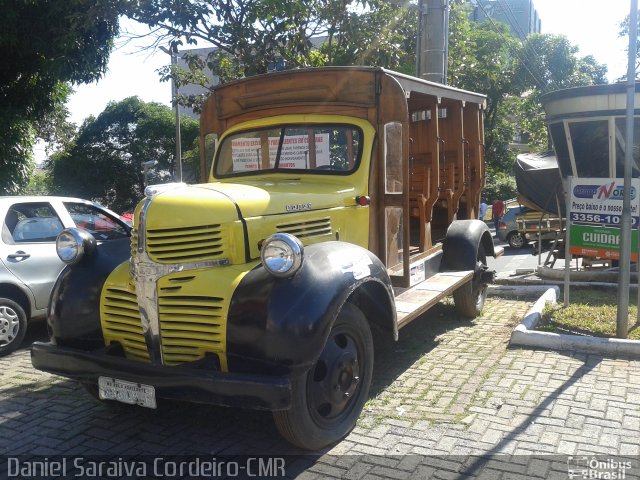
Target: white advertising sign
(598,201)
(596,214)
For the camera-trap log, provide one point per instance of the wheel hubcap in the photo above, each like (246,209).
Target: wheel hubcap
(9,325)
(335,378)
(517,241)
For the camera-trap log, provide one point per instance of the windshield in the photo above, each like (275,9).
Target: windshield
(309,148)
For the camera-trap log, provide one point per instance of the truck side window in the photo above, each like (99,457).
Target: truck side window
(393,157)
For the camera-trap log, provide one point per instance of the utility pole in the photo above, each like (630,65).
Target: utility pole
(622,319)
(433,40)
(177,174)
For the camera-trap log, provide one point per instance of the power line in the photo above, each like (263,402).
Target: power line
(529,50)
(524,64)
(517,52)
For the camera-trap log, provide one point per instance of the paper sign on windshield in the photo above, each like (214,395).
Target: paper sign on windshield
(247,153)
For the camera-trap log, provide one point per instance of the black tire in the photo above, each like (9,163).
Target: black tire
(515,240)
(470,298)
(13,326)
(328,399)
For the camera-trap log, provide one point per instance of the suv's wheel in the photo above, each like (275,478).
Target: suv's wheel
(327,400)
(13,325)
(515,240)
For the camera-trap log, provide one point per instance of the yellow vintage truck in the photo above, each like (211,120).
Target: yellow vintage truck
(337,202)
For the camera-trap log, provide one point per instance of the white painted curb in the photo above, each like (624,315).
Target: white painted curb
(525,335)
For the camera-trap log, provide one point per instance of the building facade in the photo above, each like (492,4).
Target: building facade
(520,15)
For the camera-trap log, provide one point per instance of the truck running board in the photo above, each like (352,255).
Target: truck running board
(416,300)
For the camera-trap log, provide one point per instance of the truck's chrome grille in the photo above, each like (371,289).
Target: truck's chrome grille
(190,327)
(186,244)
(134,241)
(310,228)
(121,322)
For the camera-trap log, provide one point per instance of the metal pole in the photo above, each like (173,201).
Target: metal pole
(445,59)
(622,320)
(419,38)
(567,236)
(435,42)
(178,172)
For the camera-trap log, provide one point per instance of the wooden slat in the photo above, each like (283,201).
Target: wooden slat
(413,302)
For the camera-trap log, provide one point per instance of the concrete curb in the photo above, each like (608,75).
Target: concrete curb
(525,335)
(518,290)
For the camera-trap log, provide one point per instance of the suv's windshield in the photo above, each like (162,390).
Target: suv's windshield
(310,148)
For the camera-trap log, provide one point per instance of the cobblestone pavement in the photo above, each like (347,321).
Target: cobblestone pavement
(449,392)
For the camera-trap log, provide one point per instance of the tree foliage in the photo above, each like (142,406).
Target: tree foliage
(486,57)
(550,62)
(251,37)
(104,163)
(624,32)
(46,45)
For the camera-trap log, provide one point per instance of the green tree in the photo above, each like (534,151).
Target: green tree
(485,57)
(251,36)
(104,163)
(39,184)
(624,32)
(550,62)
(47,46)
(382,35)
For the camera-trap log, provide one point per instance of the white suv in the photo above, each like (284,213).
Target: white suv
(29,264)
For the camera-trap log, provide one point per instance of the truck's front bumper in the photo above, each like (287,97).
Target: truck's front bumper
(178,383)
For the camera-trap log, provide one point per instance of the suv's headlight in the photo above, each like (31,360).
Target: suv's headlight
(282,254)
(73,243)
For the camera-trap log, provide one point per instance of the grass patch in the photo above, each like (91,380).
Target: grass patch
(590,312)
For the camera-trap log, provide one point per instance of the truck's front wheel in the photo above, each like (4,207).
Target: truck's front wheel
(327,400)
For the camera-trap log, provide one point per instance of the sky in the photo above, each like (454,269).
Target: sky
(592,25)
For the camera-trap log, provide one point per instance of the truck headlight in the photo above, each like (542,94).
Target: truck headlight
(282,254)
(73,243)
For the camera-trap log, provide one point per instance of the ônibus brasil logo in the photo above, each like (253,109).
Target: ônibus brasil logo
(603,192)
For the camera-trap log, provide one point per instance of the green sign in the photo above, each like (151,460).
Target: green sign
(593,240)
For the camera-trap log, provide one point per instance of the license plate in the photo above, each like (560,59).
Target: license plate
(127,392)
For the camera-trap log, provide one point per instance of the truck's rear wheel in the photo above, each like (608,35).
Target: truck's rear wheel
(469,299)
(327,400)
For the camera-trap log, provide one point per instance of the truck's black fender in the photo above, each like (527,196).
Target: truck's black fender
(76,296)
(461,244)
(279,326)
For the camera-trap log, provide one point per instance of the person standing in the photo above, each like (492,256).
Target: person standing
(497,211)
(482,211)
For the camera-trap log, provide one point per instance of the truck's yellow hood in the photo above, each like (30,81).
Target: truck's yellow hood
(256,198)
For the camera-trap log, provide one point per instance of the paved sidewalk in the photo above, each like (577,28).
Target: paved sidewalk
(448,390)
